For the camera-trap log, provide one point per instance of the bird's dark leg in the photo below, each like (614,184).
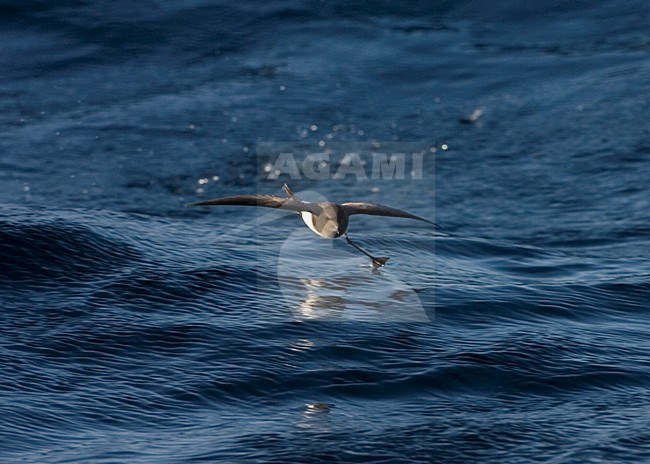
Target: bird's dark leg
(376,262)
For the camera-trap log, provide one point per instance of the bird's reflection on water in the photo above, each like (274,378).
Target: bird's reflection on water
(318,306)
(328,283)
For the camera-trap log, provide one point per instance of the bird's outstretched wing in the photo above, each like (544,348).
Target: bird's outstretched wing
(379,210)
(266,201)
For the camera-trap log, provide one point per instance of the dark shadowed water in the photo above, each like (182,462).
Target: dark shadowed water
(136,330)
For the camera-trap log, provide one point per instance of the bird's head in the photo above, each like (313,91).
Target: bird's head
(337,221)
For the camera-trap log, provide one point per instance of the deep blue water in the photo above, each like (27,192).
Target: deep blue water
(136,330)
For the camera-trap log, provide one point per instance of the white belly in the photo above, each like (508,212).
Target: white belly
(309,220)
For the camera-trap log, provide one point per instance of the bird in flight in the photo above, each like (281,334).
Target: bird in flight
(327,219)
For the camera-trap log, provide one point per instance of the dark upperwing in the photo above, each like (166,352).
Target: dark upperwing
(379,210)
(266,201)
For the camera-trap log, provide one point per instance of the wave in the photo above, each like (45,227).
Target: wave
(58,250)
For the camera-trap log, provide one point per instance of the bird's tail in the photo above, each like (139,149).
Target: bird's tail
(287,191)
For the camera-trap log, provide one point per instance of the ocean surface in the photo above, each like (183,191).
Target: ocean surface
(134,329)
